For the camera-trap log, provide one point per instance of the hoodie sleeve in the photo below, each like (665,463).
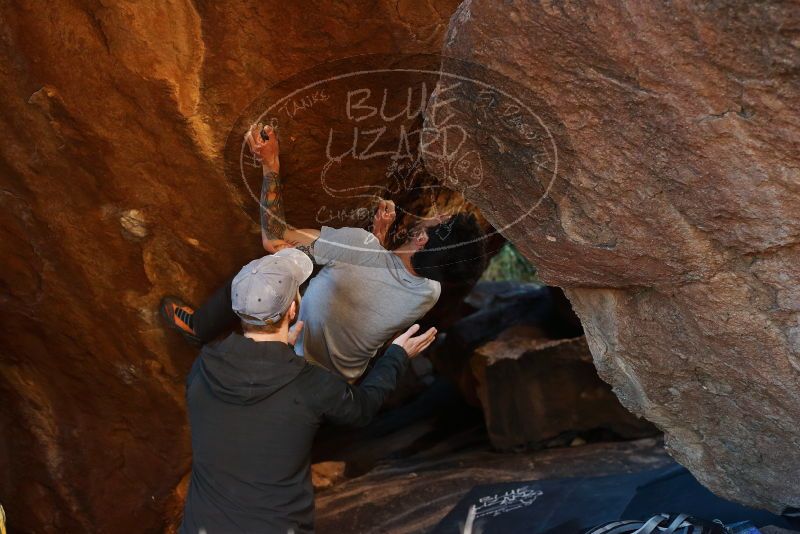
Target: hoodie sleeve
(357,405)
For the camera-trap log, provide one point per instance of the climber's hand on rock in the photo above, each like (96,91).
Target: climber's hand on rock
(263,143)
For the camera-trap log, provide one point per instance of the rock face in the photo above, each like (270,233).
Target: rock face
(662,190)
(113,126)
(533,390)
(664,152)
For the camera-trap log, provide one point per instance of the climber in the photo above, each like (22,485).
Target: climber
(254,407)
(364,293)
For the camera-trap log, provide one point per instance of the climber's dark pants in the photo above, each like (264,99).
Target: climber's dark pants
(215,317)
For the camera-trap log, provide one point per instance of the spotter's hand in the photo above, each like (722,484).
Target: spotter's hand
(412,344)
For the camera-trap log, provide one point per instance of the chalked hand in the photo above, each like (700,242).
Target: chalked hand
(264,146)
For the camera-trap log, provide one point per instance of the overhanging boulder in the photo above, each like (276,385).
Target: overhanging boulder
(661,189)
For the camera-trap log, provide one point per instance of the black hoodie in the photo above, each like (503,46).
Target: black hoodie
(254,408)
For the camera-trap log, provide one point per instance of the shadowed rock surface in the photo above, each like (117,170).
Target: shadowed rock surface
(113,126)
(533,390)
(655,175)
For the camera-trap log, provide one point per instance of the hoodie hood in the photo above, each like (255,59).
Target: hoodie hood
(242,371)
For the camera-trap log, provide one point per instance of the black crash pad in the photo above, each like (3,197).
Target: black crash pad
(571,505)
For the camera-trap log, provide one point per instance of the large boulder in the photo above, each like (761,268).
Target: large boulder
(114,119)
(534,390)
(643,155)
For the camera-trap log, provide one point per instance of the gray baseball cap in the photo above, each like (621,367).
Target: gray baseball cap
(264,288)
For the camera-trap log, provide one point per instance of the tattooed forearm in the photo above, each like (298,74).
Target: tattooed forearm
(308,250)
(273,223)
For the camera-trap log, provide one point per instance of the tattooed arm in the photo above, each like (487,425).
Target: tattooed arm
(263,142)
(275,235)
(303,240)
(273,221)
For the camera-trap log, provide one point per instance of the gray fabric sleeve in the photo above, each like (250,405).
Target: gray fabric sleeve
(344,245)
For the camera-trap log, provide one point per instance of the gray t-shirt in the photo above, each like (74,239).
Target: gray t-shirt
(362,296)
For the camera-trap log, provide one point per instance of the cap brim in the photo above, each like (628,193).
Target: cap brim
(300,260)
